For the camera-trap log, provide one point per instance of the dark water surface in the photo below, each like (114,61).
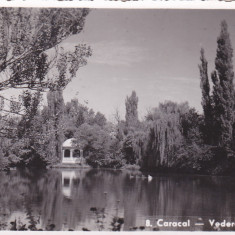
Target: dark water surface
(102,199)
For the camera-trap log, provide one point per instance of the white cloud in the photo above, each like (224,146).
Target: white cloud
(113,53)
(116,53)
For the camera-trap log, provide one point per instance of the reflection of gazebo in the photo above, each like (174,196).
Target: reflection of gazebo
(67,178)
(71,179)
(71,153)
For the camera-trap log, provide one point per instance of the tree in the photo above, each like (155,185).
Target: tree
(223,93)
(56,108)
(26,145)
(132,109)
(100,119)
(94,141)
(117,115)
(191,124)
(27,35)
(30,103)
(169,127)
(31,56)
(206,99)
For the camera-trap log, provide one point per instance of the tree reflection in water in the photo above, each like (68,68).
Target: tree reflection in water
(92,199)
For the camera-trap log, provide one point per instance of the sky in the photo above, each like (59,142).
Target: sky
(152,51)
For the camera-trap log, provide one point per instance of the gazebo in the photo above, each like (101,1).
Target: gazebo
(71,153)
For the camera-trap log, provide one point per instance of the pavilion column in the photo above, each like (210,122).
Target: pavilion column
(71,153)
(81,156)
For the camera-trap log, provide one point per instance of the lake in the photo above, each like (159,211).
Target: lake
(96,199)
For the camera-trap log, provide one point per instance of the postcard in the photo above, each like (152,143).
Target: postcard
(116,119)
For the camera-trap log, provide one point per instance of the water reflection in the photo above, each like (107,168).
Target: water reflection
(91,199)
(67,177)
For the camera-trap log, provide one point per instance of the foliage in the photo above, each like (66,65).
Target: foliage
(132,146)
(192,126)
(130,133)
(26,34)
(190,158)
(100,119)
(205,159)
(164,134)
(172,136)
(206,100)
(4,162)
(55,126)
(223,92)
(99,148)
(77,114)
(37,135)
(131,109)
(117,223)
(31,59)
(29,139)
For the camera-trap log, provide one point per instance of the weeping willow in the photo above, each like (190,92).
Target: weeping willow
(164,136)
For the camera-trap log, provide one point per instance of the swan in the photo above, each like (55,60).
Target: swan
(149,178)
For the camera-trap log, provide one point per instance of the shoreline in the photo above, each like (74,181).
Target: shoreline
(155,173)
(128,168)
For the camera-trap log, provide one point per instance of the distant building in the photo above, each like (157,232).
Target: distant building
(71,153)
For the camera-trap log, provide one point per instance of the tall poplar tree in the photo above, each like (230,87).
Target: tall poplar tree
(223,93)
(55,114)
(132,109)
(131,124)
(206,99)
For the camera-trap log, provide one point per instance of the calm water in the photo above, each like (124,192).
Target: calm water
(96,199)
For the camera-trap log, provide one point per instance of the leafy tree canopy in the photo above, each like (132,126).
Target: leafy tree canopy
(26,35)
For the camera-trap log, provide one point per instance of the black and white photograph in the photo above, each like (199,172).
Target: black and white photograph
(117,119)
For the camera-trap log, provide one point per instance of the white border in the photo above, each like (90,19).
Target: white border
(122,4)
(118,4)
